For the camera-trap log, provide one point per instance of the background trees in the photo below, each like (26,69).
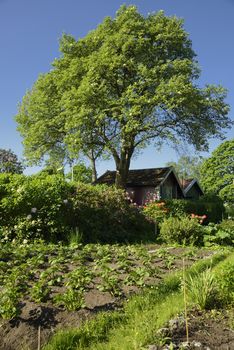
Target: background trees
(217,172)
(128,83)
(187,166)
(80,173)
(9,162)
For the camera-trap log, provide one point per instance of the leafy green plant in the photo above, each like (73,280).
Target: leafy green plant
(40,291)
(222,234)
(51,275)
(169,262)
(72,299)
(110,284)
(9,301)
(137,277)
(79,278)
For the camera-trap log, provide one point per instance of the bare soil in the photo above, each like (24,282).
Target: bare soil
(208,330)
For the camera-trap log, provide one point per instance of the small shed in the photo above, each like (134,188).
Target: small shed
(146,184)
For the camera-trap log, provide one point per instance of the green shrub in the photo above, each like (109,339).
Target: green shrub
(209,205)
(48,207)
(35,206)
(224,276)
(177,207)
(156,211)
(105,216)
(182,230)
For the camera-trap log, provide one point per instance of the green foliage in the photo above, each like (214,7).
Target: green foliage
(34,207)
(202,289)
(177,207)
(209,205)
(187,167)
(40,291)
(105,216)
(181,230)
(79,279)
(9,162)
(9,300)
(48,207)
(72,299)
(80,173)
(222,234)
(118,88)
(156,211)
(225,281)
(217,172)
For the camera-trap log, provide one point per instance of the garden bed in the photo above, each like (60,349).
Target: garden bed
(49,287)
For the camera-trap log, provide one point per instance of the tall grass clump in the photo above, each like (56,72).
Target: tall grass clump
(202,289)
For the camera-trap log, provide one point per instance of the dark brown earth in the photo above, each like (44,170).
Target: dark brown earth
(41,321)
(38,322)
(208,330)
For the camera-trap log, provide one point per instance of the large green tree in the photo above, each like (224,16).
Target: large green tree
(129,82)
(217,172)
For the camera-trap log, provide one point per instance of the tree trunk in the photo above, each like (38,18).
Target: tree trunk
(122,169)
(93,165)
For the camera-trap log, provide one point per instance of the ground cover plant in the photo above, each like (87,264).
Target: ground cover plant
(50,285)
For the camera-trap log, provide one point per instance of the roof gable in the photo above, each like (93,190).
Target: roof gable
(189,183)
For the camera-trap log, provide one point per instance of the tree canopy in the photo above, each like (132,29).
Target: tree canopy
(187,166)
(129,82)
(80,173)
(9,162)
(217,172)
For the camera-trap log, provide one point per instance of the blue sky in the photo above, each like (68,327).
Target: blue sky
(30,31)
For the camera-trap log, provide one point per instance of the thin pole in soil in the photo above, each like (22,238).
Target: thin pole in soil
(39,338)
(185,304)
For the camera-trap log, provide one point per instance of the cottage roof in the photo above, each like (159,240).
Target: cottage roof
(187,184)
(138,177)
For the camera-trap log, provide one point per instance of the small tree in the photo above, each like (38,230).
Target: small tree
(9,162)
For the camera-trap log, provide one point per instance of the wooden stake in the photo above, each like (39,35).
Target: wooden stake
(39,338)
(185,304)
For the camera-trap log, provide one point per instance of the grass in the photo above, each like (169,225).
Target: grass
(136,325)
(202,289)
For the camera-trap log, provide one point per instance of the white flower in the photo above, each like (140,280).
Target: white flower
(25,241)
(65,201)
(29,217)
(34,210)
